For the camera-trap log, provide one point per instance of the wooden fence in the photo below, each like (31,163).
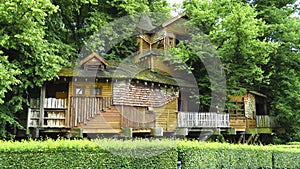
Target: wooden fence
(205,120)
(84,108)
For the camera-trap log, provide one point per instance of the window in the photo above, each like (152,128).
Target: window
(79,90)
(97,91)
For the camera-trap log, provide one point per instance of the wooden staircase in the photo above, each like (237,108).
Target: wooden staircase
(107,121)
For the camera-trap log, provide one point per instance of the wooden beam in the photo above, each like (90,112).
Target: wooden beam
(249,139)
(255,138)
(241,138)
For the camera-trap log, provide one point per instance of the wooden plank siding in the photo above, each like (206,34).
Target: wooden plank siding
(166,116)
(136,118)
(106,88)
(242,123)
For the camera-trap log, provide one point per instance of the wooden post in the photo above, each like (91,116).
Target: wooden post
(249,139)
(42,100)
(241,138)
(127,132)
(28,121)
(168,120)
(122,116)
(157,131)
(255,138)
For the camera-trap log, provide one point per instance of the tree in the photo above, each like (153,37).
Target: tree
(284,87)
(233,28)
(38,37)
(76,21)
(27,57)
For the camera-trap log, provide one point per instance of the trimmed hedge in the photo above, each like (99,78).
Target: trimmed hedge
(88,154)
(215,155)
(109,153)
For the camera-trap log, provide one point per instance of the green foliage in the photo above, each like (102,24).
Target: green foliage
(283,89)
(110,153)
(258,43)
(88,154)
(232,27)
(215,155)
(27,58)
(286,157)
(76,21)
(38,37)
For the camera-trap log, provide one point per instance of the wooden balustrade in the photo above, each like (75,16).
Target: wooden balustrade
(265,121)
(55,103)
(208,119)
(84,108)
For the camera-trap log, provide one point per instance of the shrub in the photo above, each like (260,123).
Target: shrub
(199,155)
(109,153)
(88,154)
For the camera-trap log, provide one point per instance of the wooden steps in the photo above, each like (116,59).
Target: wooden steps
(108,121)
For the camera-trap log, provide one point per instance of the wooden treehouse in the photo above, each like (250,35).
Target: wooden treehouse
(145,98)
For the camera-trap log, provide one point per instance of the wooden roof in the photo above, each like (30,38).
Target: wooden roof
(92,56)
(175,25)
(145,23)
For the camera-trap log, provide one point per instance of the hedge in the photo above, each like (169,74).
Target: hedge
(88,154)
(215,155)
(110,153)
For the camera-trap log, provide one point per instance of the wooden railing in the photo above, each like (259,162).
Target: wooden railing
(55,103)
(205,120)
(265,121)
(84,108)
(49,103)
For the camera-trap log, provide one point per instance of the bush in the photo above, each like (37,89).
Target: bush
(88,154)
(215,155)
(109,153)
(286,157)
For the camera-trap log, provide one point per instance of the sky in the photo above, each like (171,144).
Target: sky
(174,13)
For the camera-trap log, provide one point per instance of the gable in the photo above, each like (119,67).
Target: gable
(93,62)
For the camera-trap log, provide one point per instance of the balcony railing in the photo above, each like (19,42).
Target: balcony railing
(265,121)
(84,108)
(203,120)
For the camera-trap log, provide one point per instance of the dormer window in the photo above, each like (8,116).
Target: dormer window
(93,62)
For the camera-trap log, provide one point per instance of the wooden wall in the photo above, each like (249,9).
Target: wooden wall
(166,116)
(136,118)
(242,123)
(142,94)
(250,105)
(139,118)
(106,88)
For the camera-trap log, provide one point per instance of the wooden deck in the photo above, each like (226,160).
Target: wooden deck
(203,120)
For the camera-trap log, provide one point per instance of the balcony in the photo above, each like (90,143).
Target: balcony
(203,120)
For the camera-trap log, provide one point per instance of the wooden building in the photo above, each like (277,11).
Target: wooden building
(148,97)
